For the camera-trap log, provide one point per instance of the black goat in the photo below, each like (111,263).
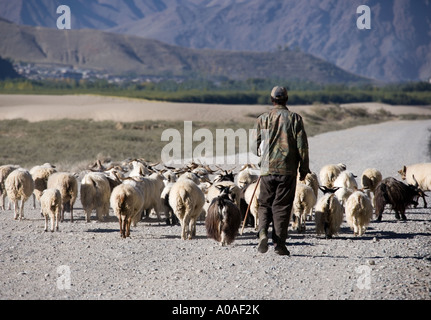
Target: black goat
(223,217)
(395,193)
(225,176)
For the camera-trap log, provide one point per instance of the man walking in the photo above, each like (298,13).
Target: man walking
(282,144)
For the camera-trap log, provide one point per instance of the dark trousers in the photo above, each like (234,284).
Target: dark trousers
(275,205)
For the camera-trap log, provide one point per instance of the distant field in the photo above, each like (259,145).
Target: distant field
(249,92)
(73,131)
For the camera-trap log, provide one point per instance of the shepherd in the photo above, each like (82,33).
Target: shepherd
(281,143)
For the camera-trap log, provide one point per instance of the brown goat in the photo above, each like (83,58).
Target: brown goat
(223,218)
(395,193)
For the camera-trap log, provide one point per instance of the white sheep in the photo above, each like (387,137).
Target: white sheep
(50,203)
(114,177)
(170,177)
(345,179)
(164,203)
(190,176)
(95,194)
(40,175)
(186,200)
(67,184)
(138,169)
(246,176)
(418,175)
(19,187)
(254,206)
(329,173)
(343,194)
(5,170)
(346,184)
(328,215)
(151,188)
(370,178)
(170,216)
(310,180)
(359,212)
(303,205)
(127,201)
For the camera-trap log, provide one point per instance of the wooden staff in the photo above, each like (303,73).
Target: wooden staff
(248,208)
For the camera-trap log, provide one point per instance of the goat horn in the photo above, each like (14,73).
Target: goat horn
(116,175)
(416,182)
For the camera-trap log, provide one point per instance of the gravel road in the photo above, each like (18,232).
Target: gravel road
(90,260)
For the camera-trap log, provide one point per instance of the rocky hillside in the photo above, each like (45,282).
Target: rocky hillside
(397,47)
(123,54)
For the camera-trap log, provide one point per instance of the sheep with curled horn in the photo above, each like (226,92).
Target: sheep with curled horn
(223,218)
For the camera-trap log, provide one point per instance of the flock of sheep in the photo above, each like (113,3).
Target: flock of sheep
(134,188)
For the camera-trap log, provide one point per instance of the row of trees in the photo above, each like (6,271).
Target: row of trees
(252,91)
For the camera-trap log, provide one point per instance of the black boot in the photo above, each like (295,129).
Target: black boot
(280,249)
(262,247)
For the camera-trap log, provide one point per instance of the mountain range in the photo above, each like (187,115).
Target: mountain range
(120,54)
(396,48)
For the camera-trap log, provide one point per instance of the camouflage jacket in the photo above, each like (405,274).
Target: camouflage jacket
(284,147)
